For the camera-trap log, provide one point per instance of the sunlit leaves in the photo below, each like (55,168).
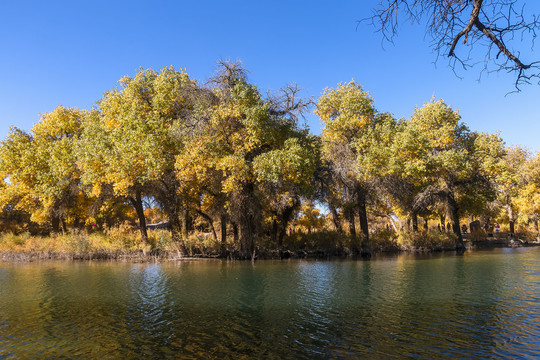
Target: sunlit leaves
(345,110)
(295,162)
(127,142)
(434,143)
(40,166)
(527,201)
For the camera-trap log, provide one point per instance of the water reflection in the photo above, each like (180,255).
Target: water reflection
(148,314)
(483,304)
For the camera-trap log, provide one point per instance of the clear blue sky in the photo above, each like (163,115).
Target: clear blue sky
(70,52)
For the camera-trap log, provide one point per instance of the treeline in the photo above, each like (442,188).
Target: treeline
(228,154)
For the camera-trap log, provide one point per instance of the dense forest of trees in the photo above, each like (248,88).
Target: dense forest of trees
(162,146)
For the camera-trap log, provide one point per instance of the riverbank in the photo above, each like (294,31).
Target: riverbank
(157,256)
(124,245)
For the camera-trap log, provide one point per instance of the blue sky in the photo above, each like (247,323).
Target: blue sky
(70,52)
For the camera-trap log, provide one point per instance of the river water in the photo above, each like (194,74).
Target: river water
(483,304)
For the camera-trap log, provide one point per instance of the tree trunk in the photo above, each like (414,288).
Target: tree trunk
(186,223)
(55,224)
(236,238)
(248,230)
(426,224)
(249,220)
(335,219)
(511,219)
(210,222)
(281,235)
(442,219)
(175,227)
(223,222)
(365,251)
(274,233)
(414,221)
(77,223)
(138,205)
(349,214)
(167,196)
(454,218)
(286,217)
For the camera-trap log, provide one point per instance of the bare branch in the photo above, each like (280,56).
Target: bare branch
(229,73)
(492,24)
(288,102)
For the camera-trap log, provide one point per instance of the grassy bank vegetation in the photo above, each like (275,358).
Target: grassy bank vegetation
(123,242)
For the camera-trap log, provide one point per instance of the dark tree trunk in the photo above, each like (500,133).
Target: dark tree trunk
(236,237)
(186,223)
(336,219)
(170,201)
(426,224)
(511,219)
(443,222)
(210,222)
(223,222)
(365,251)
(175,227)
(414,221)
(286,217)
(77,223)
(281,235)
(249,218)
(55,224)
(349,214)
(274,233)
(138,205)
(454,219)
(248,231)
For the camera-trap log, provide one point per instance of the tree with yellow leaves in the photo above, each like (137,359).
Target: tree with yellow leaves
(446,162)
(310,218)
(356,141)
(246,154)
(527,201)
(511,178)
(130,141)
(41,172)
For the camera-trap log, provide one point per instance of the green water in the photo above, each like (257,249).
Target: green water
(479,305)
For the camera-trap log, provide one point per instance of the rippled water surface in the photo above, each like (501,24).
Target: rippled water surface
(479,305)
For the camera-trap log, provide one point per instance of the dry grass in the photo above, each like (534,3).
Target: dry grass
(426,240)
(125,240)
(384,240)
(320,240)
(116,240)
